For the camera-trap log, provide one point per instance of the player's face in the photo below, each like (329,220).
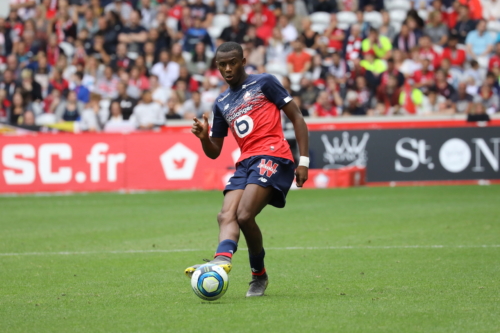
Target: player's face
(231,66)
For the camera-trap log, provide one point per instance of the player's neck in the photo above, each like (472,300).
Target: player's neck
(240,82)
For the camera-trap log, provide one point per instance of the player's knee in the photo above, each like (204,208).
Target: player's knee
(244,217)
(225,217)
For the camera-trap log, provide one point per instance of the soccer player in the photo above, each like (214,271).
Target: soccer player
(250,108)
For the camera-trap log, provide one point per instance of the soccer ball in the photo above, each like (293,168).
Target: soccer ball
(209,282)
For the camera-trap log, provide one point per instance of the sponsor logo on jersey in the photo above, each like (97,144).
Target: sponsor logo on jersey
(247,96)
(223,98)
(239,113)
(267,167)
(246,85)
(262,179)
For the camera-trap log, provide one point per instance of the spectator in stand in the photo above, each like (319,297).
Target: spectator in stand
(433,104)
(323,106)
(57,82)
(487,99)
(294,17)
(191,84)
(491,10)
(386,29)
(123,9)
(456,56)
(318,71)
(199,62)
(166,70)
(17,109)
(391,70)
(444,89)
(463,100)
(194,107)
(201,11)
(64,27)
(69,109)
(148,114)
(173,108)
(308,92)
(176,54)
(148,12)
(88,21)
(8,84)
(127,103)
(372,64)
(338,67)
(4,107)
(298,101)
(197,33)
(160,94)
(288,31)
(352,107)
(480,43)
(464,24)
(278,49)
(353,43)
(495,59)
(121,60)
(299,61)
(380,45)
(369,5)
(492,80)
(82,93)
(364,93)
(115,116)
(411,100)
(107,85)
(329,6)
(235,32)
(436,29)
(424,78)
(138,80)
(335,35)
(30,89)
(388,96)
(90,119)
(259,9)
(134,34)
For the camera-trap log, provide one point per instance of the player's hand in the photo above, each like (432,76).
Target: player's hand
(301,175)
(200,129)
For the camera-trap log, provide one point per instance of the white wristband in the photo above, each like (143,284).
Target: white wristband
(304,161)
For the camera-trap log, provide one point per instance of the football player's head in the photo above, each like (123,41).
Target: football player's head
(231,62)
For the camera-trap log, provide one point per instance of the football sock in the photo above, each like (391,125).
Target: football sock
(226,248)
(257,264)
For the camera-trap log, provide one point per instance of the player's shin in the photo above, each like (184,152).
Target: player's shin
(226,249)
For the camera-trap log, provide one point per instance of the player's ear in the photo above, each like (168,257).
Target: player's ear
(244,61)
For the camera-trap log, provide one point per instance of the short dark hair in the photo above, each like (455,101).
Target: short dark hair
(230,46)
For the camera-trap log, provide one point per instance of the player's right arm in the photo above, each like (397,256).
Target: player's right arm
(211,146)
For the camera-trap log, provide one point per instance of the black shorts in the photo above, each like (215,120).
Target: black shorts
(264,171)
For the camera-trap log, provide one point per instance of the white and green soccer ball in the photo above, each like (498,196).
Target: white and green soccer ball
(209,282)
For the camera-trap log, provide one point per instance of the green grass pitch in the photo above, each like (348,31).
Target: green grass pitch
(414,259)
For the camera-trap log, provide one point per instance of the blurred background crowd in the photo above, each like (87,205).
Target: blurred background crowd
(122,65)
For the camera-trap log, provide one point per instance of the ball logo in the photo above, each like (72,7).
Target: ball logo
(455,155)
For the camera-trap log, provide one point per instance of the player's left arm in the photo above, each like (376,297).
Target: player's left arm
(293,113)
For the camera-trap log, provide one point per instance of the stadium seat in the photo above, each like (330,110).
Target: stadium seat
(320,17)
(374,19)
(493,26)
(67,48)
(221,21)
(295,80)
(319,27)
(424,14)
(398,4)
(397,15)
(187,56)
(172,23)
(312,52)
(396,26)
(346,18)
(214,32)
(437,48)
(277,68)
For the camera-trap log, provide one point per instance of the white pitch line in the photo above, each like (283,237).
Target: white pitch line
(270,248)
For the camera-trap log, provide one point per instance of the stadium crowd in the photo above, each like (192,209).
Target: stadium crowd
(119,65)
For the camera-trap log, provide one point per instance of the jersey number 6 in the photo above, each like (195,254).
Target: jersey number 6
(243,126)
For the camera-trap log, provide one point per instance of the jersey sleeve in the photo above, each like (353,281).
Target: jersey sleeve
(219,126)
(274,91)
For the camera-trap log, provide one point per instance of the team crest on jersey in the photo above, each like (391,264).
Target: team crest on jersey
(247,96)
(267,167)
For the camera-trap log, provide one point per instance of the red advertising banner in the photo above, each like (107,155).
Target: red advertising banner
(107,162)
